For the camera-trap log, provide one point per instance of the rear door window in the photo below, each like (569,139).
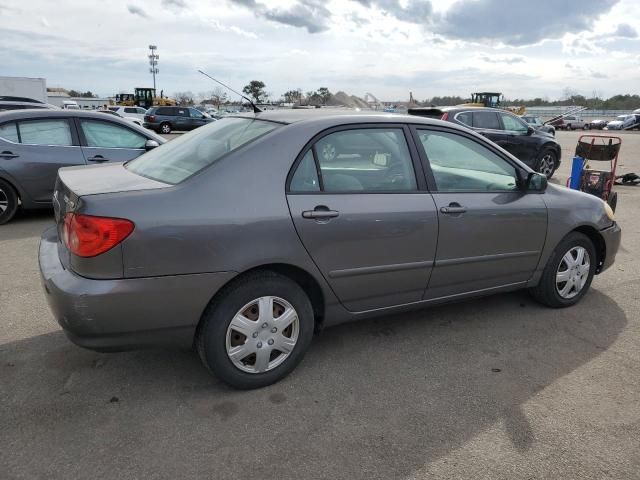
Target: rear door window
(45,132)
(487,120)
(9,131)
(466,118)
(130,110)
(109,135)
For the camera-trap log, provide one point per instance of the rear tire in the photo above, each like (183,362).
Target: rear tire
(233,356)
(8,202)
(165,127)
(549,290)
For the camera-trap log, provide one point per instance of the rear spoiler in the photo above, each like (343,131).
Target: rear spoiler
(431,112)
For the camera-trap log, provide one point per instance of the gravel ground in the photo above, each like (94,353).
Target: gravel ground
(496,388)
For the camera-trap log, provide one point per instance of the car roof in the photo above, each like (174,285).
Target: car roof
(339,116)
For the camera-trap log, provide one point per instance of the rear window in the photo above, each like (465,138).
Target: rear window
(178,159)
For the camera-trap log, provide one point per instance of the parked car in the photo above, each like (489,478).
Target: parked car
(624,122)
(570,122)
(246,235)
(538,124)
(598,124)
(167,119)
(116,114)
(22,103)
(132,112)
(537,149)
(34,144)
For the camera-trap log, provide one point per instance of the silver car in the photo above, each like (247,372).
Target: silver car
(247,235)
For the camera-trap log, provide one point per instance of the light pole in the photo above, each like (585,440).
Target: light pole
(153,62)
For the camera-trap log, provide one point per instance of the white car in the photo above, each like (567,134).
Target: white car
(622,122)
(137,121)
(572,123)
(130,112)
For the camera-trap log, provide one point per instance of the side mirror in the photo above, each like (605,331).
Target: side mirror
(530,130)
(536,182)
(150,145)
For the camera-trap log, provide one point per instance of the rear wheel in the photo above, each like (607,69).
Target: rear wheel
(8,202)
(257,331)
(165,127)
(547,163)
(568,273)
(585,127)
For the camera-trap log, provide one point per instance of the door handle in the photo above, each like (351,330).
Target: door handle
(98,158)
(453,208)
(7,154)
(320,213)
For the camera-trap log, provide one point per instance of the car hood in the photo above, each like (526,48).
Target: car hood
(105,178)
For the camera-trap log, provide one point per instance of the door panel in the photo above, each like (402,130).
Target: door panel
(496,241)
(377,252)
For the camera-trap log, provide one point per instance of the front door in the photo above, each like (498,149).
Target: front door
(104,141)
(32,151)
(491,233)
(197,118)
(365,217)
(520,141)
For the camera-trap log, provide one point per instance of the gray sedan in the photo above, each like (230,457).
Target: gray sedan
(34,144)
(247,235)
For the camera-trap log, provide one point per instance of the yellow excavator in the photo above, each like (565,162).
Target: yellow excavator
(492,99)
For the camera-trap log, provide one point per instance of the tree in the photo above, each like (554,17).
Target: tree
(184,98)
(293,96)
(255,89)
(218,95)
(325,94)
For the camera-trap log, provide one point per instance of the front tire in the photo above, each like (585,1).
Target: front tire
(8,202)
(257,330)
(547,163)
(568,274)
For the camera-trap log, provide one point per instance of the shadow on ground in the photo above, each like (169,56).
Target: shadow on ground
(374,399)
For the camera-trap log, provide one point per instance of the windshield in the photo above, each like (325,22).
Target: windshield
(178,159)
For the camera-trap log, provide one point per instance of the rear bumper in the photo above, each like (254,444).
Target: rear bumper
(124,314)
(612,236)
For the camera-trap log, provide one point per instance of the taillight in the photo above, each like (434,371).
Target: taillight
(89,236)
(149,118)
(445,116)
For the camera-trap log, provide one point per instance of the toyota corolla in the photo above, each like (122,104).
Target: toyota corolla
(245,236)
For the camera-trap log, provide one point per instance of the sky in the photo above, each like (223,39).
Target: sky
(522,48)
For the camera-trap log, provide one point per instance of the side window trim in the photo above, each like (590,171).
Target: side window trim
(15,122)
(416,161)
(431,180)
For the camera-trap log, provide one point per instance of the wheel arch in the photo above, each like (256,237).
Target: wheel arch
(304,279)
(13,185)
(598,242)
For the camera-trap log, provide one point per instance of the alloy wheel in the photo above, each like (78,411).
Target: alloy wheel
(4,201)
(547,165)
(262,334)
(573,272)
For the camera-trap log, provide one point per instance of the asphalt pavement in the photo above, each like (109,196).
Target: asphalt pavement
(496,388)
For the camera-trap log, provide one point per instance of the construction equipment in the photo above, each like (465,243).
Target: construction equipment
(143,97)
(492,100)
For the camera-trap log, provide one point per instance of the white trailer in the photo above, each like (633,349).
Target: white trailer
(26,87)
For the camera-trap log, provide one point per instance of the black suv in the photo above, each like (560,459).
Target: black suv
(539,150)
(166,119)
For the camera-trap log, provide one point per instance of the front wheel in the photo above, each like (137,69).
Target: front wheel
(8,202)
(257,331)
(547,163)
(568,273)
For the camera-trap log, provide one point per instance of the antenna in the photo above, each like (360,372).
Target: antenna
(255,108)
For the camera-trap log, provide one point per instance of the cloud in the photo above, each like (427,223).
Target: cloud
(502,59)
(309,14)
(356,19)
(519,23)
(233,29)
(625,30)
(44,22)
(599,75)
(135,10)
(414,11)
(179,4)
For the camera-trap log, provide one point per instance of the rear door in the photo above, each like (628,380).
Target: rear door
(364,215)
(32,151)
(105,141)
(491,233)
